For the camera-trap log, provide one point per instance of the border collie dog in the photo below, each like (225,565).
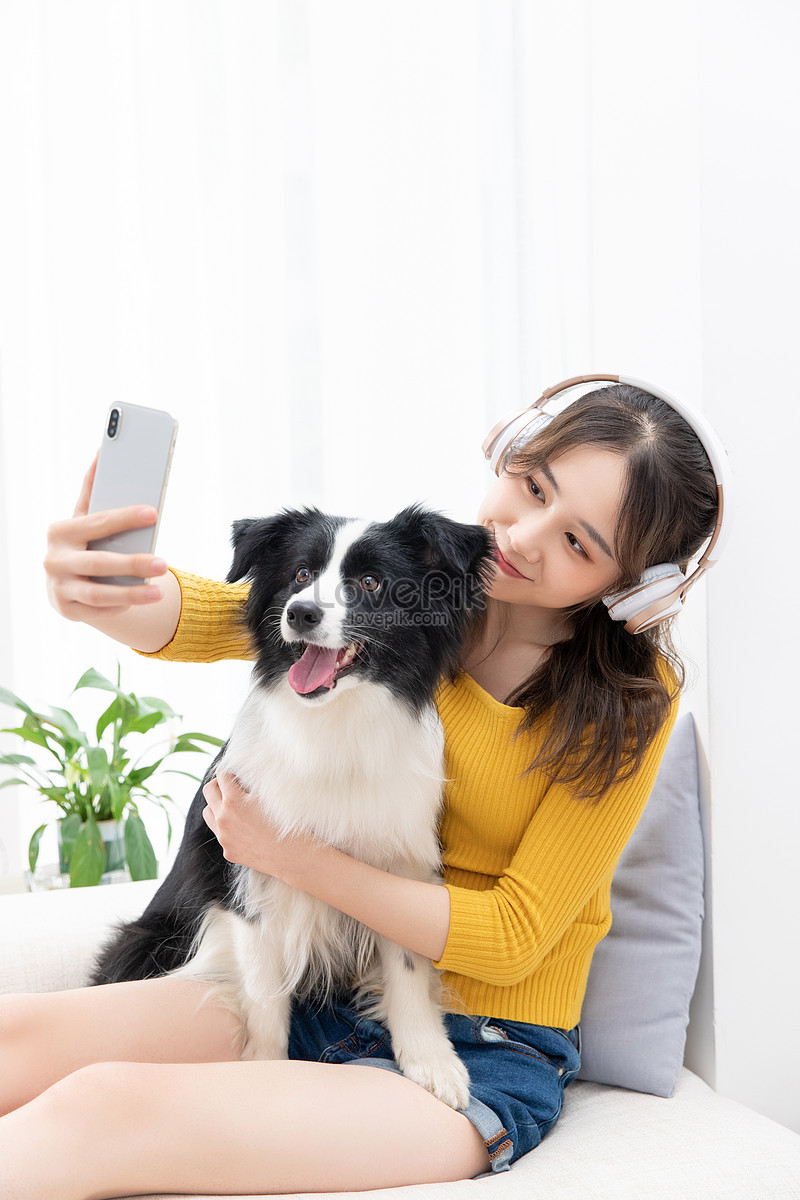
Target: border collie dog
(353,625)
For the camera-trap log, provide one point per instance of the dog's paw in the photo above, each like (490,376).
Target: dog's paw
(443,1075)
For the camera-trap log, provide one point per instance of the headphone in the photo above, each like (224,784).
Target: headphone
(659,593)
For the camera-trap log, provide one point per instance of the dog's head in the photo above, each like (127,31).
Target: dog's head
(335,602)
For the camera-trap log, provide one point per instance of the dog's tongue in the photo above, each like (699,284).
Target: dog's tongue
(315,669)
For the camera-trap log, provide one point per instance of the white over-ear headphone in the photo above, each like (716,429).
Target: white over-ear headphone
(659,593)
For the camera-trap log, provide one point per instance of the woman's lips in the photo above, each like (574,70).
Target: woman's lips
(505,566)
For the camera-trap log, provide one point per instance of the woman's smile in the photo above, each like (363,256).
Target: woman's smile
(505,566)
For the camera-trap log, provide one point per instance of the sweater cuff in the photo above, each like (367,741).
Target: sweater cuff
(211,624)
(470,927)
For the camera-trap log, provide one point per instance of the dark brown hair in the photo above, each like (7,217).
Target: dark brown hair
(601,695)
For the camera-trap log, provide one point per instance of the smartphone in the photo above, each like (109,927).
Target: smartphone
(132,468)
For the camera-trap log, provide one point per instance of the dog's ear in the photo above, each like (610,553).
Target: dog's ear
(448,545)
(254,538)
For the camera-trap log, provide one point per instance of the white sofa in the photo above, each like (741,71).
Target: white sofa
(610,1144)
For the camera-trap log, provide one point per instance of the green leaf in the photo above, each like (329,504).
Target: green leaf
(108,717)
(139,850)
(31,731)
(182,746)
(13,701)
(33,847)
(66,723)
(156,704)
(203,737)
(97,761)
(11,782)
(145,723)
(127,713)
(69,829)
(119,795)
(17,760)
(93,679)
(137,776)
(88,857)
(60,795)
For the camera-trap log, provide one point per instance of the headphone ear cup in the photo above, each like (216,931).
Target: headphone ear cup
(660,582)
(512,434)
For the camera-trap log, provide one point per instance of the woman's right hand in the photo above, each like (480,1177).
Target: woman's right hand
(144,616)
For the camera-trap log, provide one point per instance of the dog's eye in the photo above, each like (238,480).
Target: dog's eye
(370,583)
(303,575)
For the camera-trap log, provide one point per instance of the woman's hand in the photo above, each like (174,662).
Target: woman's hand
(144,616)
(244,832)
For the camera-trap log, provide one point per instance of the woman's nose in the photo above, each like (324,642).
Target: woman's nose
(525,538)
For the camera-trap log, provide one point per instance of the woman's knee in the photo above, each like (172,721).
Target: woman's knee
(18,1014)
(22,1030)
(95,1092)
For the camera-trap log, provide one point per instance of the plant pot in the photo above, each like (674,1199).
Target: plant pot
(113,836)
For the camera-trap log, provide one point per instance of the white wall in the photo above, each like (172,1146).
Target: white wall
(312,229)
(750,132)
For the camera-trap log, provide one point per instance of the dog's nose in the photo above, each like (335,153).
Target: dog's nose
(304,614)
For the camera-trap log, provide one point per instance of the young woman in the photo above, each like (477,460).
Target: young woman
(554,730)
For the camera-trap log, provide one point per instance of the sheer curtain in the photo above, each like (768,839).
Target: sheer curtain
(274,218)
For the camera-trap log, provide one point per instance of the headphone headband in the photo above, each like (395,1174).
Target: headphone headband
(501,438)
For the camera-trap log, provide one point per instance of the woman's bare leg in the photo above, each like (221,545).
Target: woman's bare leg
(46,1036)
(243,1127)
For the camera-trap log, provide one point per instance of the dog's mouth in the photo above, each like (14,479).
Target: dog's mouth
(321,667)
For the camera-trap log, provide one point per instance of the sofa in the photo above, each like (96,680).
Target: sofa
(637,1124)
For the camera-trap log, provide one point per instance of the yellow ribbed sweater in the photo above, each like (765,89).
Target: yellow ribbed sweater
(528,867)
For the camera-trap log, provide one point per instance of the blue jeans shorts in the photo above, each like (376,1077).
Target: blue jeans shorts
(517,1072)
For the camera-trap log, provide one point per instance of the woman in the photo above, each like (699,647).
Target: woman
(554,731)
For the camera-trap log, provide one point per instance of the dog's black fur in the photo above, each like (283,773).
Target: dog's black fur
(160,940)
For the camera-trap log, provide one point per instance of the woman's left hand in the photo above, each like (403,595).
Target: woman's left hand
(411,913)
(247,837)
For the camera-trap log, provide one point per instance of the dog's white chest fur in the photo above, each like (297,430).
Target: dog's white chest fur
(361,773)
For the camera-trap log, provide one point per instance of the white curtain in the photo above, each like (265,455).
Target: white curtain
(273,219)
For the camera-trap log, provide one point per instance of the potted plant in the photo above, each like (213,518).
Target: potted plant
(97,784)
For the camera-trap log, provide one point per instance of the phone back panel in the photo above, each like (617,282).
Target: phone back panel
(133,468)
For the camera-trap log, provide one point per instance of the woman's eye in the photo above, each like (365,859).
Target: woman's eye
(303,575)
(575,544)
(535,490)
(370,583)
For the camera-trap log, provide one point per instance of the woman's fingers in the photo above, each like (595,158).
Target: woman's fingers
(108,596)
(211,790)
(82,507)
(73,568)
(98,563)
(89,527)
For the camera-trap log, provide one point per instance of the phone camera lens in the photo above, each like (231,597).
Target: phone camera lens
(113,422)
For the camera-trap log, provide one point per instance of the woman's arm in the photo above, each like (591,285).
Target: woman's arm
(413,914)
(145,616)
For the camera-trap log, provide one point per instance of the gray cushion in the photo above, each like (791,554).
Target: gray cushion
(643,974)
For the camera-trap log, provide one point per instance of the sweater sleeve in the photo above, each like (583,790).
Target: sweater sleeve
(211,625)
(566,856)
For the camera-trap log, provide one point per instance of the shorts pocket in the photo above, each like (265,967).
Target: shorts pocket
(545,1043)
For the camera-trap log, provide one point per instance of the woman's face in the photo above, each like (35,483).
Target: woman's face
(554,529)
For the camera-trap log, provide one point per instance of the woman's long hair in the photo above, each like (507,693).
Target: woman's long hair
(600,696)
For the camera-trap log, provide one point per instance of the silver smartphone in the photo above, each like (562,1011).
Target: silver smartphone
(132,468)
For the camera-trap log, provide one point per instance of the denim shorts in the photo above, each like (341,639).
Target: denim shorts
(517,1072)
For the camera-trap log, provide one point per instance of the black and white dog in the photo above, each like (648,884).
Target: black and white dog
(353,625)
